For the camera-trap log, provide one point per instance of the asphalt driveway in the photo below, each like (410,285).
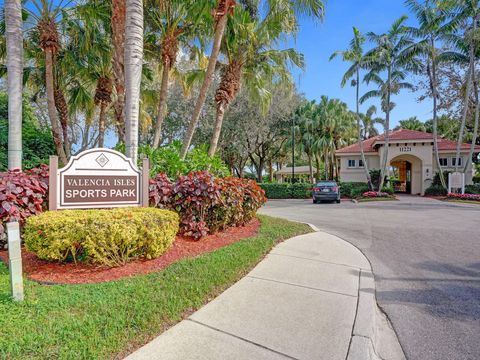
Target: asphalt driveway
(425,256)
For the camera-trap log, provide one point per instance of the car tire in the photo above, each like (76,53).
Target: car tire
(338,201)
(315,201)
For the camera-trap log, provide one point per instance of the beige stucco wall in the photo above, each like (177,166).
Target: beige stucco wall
(420,155)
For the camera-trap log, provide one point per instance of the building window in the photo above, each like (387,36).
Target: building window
(351,163)
(454,163)
(360,163)
(443,162)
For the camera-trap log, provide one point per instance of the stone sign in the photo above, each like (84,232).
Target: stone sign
(456,180)
(98,178)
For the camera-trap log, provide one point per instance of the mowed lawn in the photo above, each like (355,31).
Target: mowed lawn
(109,320)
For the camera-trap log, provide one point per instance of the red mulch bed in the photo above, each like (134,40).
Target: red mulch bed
(56,273)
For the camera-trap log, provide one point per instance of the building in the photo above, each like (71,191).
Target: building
(410,160)
(302,174)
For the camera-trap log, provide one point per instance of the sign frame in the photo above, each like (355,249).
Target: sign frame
(456,184)
(107,166)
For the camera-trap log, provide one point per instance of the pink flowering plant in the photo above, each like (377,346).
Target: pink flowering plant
(375,194)
(471,197)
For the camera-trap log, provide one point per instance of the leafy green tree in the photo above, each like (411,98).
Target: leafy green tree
(37,142)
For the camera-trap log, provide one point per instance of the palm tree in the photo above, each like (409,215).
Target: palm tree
(412,123)
(388,56)
(133,74)
(433,27)
(118,67)
(314,8)
(248,47)
(176,21)
(469,11)
(368,123)
(14,38)
(220,15)
(49,42)
(355,55)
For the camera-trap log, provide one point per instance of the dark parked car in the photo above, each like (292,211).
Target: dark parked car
(326,191)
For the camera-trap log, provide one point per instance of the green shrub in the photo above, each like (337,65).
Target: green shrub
(436,178)
(358,191)
(347,187)
(436,190)
(287,191)
(107,237)
(476,179)
(472,189)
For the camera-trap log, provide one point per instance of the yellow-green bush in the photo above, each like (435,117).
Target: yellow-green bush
(108,237)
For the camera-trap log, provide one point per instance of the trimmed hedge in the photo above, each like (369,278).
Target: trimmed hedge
(353,189)
(472,189)
(287,191)
(436,190)
(108,237)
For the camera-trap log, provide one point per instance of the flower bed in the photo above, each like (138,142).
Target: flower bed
(468,197)
(376,194)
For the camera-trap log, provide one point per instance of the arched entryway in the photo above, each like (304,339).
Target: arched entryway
(406,174)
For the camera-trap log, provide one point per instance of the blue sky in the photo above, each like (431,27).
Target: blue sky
(318,41)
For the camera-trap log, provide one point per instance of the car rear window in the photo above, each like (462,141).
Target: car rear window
(327,183)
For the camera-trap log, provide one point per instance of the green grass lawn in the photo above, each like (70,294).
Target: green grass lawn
(98,321)
(463,201)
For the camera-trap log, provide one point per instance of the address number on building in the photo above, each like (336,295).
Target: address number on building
(405,149)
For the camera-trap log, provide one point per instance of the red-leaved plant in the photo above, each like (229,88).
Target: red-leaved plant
(22,194)
(207,204)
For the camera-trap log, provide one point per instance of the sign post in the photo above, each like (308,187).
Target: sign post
(456,180)
(98,178)
(15,261)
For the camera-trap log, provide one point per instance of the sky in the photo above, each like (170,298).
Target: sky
(317,41)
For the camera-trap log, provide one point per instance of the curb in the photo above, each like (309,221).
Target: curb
(373,337)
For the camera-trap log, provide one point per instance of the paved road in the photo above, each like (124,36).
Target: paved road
(425,256)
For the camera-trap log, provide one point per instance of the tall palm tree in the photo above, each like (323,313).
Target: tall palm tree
(133,74)
(220,15)
(176,21)
(434,26)
(389,57)
(49,41)
(313,8)
(355,55)
(14,37)
(118,67)
(252,59)
(469,15)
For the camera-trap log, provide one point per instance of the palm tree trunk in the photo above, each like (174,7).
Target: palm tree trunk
(470,72)
(161,105)
(270,170)
(101,124)
(52,110)
(383,168)
(433,83)
(219,31)
(317,163)
(118,55)
(14,39)
(310,167)
(468,162)
(359,133)
(133,74)
(217,130)
(62,110)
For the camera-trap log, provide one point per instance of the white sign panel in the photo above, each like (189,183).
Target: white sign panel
(98,178)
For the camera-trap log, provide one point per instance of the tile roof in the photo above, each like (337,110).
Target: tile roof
(403,134)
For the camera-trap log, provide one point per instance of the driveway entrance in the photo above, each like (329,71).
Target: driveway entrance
(425,256)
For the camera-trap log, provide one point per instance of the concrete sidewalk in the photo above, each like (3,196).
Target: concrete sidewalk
(312,297)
